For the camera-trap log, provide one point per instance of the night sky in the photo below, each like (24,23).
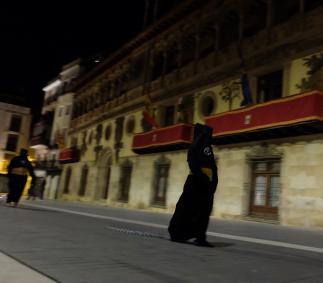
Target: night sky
(37,39)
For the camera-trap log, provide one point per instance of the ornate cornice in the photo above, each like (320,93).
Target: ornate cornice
(162,24)
(274,46)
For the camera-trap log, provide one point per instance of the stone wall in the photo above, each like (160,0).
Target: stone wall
(231,198)
(302,184)
(301,199)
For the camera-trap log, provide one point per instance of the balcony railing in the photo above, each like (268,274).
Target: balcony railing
(69,155)
(289,116)
(169,138)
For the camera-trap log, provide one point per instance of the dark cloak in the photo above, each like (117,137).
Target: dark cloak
(18,182)
(193,209)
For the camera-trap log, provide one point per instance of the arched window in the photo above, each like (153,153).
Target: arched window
(98,133)
(207,104)
(83,182)
(104,172)
(185,109)
(68,175)
(125,180)
(162,166)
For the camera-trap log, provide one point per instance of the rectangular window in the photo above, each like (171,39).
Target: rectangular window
(15,123)
(12,143)
(125,183)
(266,187)
(68,110)
(161,184)
(270,86)
(60,111)
(169,115)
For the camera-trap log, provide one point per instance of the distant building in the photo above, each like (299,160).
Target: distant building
(250,69)
(14,134)
(49,134)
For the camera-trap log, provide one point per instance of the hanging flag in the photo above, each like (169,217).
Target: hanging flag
(247,98)
(149,117)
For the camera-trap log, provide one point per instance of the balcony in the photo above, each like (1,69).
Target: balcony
(169,138)
(69,155)
(295,115)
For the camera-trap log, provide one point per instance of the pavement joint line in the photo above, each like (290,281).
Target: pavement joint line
(214,234)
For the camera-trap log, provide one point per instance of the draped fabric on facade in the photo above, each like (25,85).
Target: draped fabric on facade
(167,138)
(287,114)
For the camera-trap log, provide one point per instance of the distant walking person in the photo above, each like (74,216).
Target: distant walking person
(193,209)
(18,169)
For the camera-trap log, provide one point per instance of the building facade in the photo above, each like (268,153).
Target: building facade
(14,135)
(199,63)
(49,135)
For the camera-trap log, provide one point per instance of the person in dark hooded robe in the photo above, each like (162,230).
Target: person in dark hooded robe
(193,209)
(18,170)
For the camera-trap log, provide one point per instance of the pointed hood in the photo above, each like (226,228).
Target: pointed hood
(202,134)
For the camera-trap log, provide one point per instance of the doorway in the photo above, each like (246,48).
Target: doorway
(265,192)
(104,173)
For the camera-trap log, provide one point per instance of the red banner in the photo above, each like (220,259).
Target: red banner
(69,155)
(289,110)
(172,135)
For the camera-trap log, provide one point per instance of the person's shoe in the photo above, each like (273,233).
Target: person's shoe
(203,243)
